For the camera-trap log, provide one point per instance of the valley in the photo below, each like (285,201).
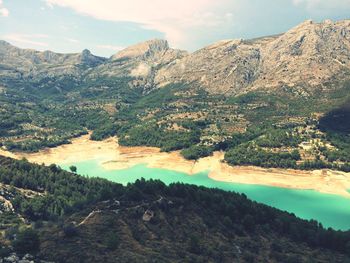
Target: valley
(239,150)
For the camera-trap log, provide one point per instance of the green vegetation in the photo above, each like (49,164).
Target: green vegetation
(73,169)
(112,241)
(176,117)
(33,118)
(275,138)
(202,217)
(65,193)
(336,125)
(247,154)
(337,119)
(27,241)
(196,152)
(103,132)
(153,135)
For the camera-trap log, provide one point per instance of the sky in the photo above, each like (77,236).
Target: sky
(107,26)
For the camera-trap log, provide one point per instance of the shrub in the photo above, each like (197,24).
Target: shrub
(112,241)
(27,241)
(70,230)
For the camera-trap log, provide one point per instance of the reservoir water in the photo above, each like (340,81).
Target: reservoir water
(331,210)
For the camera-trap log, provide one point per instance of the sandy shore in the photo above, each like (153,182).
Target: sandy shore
(112,156)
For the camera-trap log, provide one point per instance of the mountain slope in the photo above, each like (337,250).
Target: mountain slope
(139,62)
(78,219)
(308,55)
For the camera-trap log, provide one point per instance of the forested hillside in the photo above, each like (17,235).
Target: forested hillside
(70,218)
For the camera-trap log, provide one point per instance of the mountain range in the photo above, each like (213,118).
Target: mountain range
(306,56)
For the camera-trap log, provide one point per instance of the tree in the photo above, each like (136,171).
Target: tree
(196,152)
(112,241)
(194,244)
(27,241)
(70,230)
(73,169)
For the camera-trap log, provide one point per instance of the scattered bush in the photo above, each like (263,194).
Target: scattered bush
(27,241)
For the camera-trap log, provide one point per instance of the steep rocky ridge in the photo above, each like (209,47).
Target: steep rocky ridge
(308,55)
(140,62)
(226,66)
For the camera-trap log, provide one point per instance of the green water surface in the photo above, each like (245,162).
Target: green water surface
(331,210)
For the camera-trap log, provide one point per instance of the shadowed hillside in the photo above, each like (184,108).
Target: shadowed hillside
(76,219)
(337,120)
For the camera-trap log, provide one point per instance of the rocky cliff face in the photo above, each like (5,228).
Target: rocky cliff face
(306,56)
(139,62)
(144,50)
(224,67)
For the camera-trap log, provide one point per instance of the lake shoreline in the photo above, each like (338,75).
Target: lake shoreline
(111,156)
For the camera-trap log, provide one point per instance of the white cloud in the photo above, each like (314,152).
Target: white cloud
(110,47)
(185,23)
(26,39)
(3,11)
(177,19)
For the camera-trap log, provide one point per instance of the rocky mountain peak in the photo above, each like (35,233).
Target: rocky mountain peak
(6,48)
(85,53)
(143,50)
(4,43)
(87,58)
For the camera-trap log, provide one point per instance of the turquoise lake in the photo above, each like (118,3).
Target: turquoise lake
(331,210)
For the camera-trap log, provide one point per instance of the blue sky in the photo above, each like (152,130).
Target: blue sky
(106,26)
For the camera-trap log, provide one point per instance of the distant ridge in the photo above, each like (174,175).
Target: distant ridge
(308,55)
